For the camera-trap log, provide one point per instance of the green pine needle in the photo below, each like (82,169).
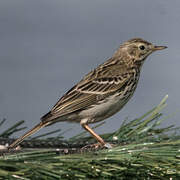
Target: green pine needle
(143,151)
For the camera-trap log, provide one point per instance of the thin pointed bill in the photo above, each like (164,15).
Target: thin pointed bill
(156,48)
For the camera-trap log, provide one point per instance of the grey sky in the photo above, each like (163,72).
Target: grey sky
(47,46)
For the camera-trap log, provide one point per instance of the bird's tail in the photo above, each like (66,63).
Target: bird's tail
(29,133)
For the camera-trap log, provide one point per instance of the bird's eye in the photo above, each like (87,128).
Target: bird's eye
(142,47)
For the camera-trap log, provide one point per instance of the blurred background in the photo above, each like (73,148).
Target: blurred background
(48,46)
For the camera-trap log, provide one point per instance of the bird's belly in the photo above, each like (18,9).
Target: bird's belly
(103,109)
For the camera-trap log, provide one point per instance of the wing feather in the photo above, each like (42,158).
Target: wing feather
(98,82)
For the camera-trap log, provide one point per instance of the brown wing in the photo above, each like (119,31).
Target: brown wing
(102,81)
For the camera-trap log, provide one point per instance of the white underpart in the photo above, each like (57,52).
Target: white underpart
(102,110)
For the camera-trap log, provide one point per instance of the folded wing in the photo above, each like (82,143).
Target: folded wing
(97,83)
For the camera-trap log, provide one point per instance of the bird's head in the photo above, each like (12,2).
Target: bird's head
(137,50)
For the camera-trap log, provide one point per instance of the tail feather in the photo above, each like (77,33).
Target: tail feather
(29,133)
(46,116)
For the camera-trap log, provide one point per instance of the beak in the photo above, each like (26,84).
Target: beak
(156,48)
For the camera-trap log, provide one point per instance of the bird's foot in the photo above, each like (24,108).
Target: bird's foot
(96,146)
(108,146)
(91,147)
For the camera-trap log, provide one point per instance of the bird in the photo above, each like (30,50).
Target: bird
(102,92)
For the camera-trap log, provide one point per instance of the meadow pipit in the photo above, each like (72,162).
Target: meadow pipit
(102,92)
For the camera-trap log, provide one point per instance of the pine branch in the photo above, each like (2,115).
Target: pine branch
(143,151)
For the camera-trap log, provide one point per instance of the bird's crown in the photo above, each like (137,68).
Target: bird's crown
(136,50)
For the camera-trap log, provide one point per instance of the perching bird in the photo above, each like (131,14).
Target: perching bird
(101,93)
